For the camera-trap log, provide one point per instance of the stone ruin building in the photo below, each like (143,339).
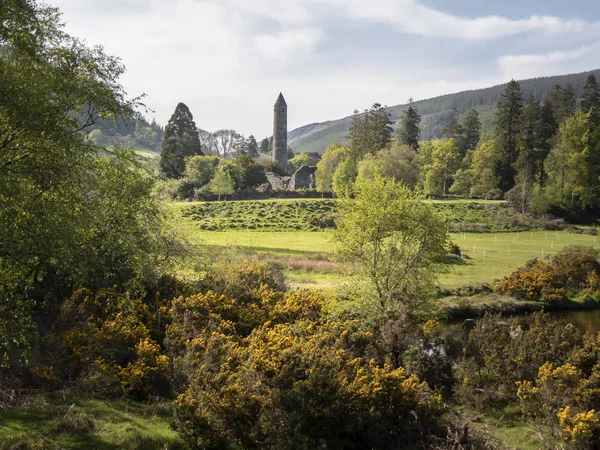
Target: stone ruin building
(304,177)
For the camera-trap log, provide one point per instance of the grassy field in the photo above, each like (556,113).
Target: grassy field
(279,230)
(316,214)
(487,256)
(82,424)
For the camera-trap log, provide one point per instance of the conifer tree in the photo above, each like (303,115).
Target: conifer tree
(546,132)
(529,157)
(408,131)
(180,141)
(472,131)
(251,147)
(508,125)
(370,131)
(563,103)
(591,100)
(452,128)
(264,146)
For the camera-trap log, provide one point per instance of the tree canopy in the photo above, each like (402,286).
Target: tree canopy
(181,140)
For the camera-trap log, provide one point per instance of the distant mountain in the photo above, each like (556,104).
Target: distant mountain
(434,112)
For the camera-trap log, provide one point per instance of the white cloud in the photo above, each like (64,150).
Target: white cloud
(228,59)
(533,65)
(412,17)
(286,45)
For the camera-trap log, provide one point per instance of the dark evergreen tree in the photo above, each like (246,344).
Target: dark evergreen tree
(471,131)
(251,147)
(181,140)
(264,146)
(508,126)
(408,131)
(452,128)
(370,131)
(529,160)
(591,100)
(563,103)
(546,133)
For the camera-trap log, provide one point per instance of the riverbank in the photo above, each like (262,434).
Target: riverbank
(478,305)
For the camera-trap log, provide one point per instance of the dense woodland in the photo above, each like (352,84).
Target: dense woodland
(435,111)
(101,296)
(541,157)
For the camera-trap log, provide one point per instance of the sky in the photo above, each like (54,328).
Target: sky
(227,60)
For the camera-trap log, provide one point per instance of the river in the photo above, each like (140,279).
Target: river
(585,320)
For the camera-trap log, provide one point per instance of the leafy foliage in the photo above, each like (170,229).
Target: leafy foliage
(394,241)
(575,268)
(280,392)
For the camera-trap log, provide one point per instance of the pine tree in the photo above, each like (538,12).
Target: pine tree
(546,133)
(264,146)
(180,140)
(452,128)
(251,147)
(370,131)
(408,131)
(508,125)
(591,100)
(472,131)
(563,103)
(529,139)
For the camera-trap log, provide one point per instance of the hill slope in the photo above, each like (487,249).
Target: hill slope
(317,136)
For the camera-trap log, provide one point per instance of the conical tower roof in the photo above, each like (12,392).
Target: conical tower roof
(280,100)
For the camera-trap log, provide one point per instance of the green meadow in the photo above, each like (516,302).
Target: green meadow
(89,424)
(307,256)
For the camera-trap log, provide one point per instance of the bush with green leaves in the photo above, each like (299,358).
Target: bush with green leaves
(572,270)
(298,381)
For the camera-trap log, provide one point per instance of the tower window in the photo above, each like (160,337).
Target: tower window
(281,128)
(282,109)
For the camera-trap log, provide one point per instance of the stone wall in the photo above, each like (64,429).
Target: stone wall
(304,178)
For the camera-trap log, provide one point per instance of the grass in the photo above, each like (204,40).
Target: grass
(278,230)
(507,426)
(315,214)
(271,215)
(488,256)
(81,423)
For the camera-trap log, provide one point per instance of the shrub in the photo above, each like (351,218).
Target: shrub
(454,249)
(322,221)
(498,354)
(573,268)
(553,401)
(275,167)
(109,344)
(302,386)
(294,380)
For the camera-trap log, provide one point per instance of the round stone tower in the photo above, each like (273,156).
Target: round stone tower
(280,147)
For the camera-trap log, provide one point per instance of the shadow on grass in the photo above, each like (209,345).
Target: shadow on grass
(116,425)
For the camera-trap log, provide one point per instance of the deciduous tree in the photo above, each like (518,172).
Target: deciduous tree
(333,156)
(393,242)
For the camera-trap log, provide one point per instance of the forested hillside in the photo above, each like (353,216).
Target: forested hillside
(143,136)
(317,137)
